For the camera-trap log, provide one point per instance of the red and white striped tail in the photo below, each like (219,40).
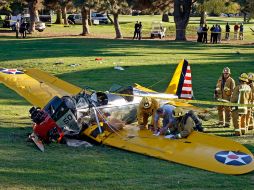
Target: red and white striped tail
(187,92)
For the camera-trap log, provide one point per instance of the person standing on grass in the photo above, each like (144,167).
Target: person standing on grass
(200,33)
(136,28)
(215,34)
(219,34)
(140,31)
(205,29)
(241,32)
(223,92)
(227,32)
(249,117)
(23,29)
(242,95)
(17,26)
(212,34)
(236,28)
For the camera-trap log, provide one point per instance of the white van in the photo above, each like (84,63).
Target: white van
(97,18)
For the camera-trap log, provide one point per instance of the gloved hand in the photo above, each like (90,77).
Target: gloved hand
(226,89)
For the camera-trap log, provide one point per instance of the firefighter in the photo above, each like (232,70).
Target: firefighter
(241,95)
(185,123)
(224,89)
(249,118)
(147,108)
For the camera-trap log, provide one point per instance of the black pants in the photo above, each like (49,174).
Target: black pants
(205,38)
(23,34)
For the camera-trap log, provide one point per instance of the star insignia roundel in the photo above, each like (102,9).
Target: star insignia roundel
(11,71)
(233,158)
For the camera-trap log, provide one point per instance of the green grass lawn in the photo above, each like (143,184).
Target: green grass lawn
(148,62)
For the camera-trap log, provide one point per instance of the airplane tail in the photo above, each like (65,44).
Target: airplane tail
(181,82)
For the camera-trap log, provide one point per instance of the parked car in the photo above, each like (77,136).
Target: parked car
(75,19)
(99,17)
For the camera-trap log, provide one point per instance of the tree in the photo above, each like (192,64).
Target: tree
(182,9)
(33,6)
(115,7)
(247,8)
(4,4)
(201,9)
(85,6)
(63,4)
(251,8)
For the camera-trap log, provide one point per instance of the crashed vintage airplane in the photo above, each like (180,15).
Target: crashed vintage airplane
(66,107)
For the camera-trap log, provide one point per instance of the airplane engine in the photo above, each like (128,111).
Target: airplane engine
(45,127)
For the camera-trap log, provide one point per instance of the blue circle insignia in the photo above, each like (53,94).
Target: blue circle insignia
(11,71)
(233,158)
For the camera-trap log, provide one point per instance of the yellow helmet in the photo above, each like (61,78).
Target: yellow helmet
(244,77)
(146,102)
(226,70)
(251,76)
(178,112)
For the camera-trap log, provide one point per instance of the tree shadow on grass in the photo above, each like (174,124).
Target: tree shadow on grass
(36,48)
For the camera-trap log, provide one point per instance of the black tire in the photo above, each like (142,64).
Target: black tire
(41,30)
(160,36)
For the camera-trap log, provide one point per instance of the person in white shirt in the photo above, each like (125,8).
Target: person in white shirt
(17,25)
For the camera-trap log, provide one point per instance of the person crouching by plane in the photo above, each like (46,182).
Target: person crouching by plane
(249,119)
(185,123)
(166,113)
(224,89)
(146,109)
(241,95)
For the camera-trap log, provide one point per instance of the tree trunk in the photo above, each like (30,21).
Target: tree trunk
(203,18)
(244,17)
(33,13)
(182,10)
(90,17)
(117,26)
(59,16)
(84,22)
(63,9)
(110,19)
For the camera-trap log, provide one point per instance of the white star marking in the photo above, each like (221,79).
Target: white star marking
(231,156)
(12,71)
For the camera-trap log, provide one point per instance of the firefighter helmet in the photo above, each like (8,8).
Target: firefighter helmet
(178,112)
(226,70)
(251,76)
(243,77)
(146,102)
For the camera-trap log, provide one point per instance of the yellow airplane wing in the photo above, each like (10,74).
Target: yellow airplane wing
(200,150)
(36,86)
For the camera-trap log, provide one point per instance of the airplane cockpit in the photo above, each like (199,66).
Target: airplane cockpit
(113,97)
